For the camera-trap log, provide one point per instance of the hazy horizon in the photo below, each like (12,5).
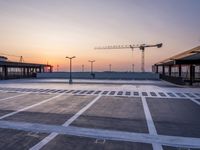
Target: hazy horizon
(48,30)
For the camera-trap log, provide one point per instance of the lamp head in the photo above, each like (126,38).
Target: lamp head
(159,45)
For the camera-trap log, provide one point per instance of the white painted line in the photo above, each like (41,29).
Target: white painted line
(193,99)
(31,106)
(50,137)
(7,98)
(150,123)
(175,141)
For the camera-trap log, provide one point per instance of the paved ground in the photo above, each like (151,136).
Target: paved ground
(139,115)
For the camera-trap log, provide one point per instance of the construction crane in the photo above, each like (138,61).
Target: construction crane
(142,47)
(21,59)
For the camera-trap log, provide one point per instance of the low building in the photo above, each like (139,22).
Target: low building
(182,68)
(15,70)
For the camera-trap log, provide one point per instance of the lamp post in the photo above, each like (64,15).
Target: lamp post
(91,61)
(110,66)
(70,70)
(133,67)
(82,68)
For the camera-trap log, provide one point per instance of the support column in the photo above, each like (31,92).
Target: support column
(156,69)
(192,74)
(5,72)
(51,68)
(179,70)
(40,69)
(24,72)
(28,71)
(163,70)
(170,70)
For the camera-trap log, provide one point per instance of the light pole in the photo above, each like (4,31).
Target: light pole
(70,68)
(82,68)
(133,67)
(110,67)
(91,61)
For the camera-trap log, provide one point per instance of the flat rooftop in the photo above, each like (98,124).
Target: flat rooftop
(98,114)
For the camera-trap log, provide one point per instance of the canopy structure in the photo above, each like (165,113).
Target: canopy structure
(13,70)
(181,68)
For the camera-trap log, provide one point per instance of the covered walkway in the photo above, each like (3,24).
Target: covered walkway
(14,70)
(182,68)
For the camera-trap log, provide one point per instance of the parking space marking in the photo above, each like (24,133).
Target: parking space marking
(194,100)
(3,99)
(153,94)
(90,92)
(83,92)
(180,95)
(139,92)
(161,94)
(150,123)
(175,141)
(31,106)
(171,94)
(50,137)
(127,93)
(197,94)
(120,93)
(190,95)
(136,93)
(112,93)
(105,92)
(97,92)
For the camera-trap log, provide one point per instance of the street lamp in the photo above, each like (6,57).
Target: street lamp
(110,66)
(82,68)
(70,66)
(133,67)
(92,61)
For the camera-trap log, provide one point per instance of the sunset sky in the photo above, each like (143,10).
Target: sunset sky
(48,30)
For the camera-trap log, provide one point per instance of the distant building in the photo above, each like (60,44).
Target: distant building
(15,70)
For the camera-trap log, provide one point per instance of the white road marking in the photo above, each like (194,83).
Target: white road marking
(150,123)
(31,106)
(3,99)
(50,137)
(174,141)
(194,100)
(137,89)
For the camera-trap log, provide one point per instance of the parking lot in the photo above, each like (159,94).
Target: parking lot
(99,116)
